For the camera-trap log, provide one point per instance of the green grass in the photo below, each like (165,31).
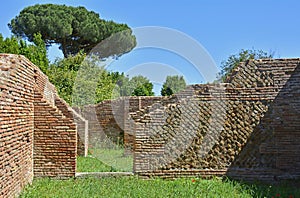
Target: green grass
(90,164)
(134,187)
(287,190)
(114,158)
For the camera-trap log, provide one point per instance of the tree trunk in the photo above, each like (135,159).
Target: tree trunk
(63,48)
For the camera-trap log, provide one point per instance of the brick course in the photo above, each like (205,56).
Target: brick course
(55,141)
(16,124)
(247,128)
(36,138)
(108,121)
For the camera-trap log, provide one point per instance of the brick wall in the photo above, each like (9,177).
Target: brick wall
(109,123)
(246,128)
(16,124)
(36,138)
(95,131)
(55,141)
(82,125)
(109,120)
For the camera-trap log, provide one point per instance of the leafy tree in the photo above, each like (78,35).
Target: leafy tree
(74,29)
(137,86)
(106,86)
(35,52)
(143,90)
(62,73)
(234,60)
(86,86)
(123,86)
(80,80)
(172,85)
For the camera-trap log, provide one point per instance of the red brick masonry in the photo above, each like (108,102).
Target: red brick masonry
(247,128)
(37,139)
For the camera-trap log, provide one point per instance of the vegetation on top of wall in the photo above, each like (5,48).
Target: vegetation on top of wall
(243,55)
(35,52)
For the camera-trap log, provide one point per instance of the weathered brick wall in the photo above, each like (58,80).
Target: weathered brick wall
(108,120)
(274,143)
(16,124)
(30,126)
(55,141)
(134,104)
(55,136)
(82,125)
(95,132)
(247,128)
(82,135)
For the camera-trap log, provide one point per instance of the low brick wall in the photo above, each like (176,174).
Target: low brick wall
(55,141)
(82,125)
(36,138)
(247,128)
(108,121)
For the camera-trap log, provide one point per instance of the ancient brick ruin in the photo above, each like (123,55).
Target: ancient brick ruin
(247,128)
(37,137)
(108,120)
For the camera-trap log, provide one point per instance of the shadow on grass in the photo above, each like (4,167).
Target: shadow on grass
(91,164)
(286,189)
(114,158)
(105,160)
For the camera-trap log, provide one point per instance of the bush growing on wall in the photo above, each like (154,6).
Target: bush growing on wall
(233,61)
(35,52)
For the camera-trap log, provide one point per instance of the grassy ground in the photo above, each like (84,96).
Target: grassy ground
(113,158)
(134,187)
(91,164)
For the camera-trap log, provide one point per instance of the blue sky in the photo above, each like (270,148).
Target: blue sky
(221,27)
